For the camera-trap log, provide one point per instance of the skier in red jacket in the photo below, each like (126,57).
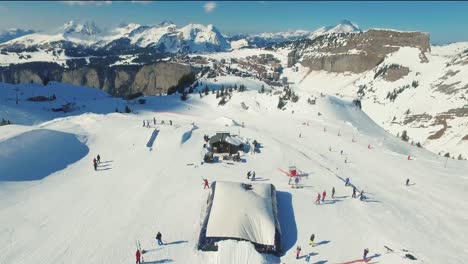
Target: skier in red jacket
(205,181)
(138,255)
(318,199)
(323,195)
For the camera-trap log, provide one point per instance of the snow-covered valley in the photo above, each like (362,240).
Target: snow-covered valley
(55,208)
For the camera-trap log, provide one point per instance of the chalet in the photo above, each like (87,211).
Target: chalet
(223,142)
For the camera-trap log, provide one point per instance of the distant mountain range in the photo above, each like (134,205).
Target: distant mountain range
(163,37)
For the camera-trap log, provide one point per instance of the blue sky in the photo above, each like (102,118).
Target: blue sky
(445,21)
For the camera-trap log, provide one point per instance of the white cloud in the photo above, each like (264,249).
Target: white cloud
(83,3)
(209,7)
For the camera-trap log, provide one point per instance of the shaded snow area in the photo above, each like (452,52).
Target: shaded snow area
(55,208)
(35,154)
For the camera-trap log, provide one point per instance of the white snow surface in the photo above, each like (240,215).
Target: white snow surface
(77,215)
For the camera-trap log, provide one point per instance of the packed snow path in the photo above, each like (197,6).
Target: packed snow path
(78,215)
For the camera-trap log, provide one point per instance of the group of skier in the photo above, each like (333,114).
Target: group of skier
(139,252)
(312,243)
(96,161)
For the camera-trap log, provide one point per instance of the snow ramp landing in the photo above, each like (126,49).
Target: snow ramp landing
(36,154)
(238,252)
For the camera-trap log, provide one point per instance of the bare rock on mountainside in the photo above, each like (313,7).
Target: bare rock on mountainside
(150,79)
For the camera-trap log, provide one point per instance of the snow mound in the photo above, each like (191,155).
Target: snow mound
(36,154)
(226,121)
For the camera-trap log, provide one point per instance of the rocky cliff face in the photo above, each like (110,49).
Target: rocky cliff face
(356,52)
(150,79)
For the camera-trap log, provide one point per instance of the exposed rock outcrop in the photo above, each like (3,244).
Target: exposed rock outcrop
(122,80)
(357,52)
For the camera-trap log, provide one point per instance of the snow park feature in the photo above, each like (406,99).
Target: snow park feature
(38,153)
(241,211)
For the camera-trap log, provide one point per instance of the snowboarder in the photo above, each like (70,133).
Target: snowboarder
(98,159)
(347,182)
(366,251)
(407,182)
(159,238)
(138,255)
(354,192)
(318,199)
(333,192)
(311,242)
(298,251)
(323,195)
(205,181)
(248,175)
(361,195)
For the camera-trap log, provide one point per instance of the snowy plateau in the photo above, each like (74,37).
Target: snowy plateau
(329,123)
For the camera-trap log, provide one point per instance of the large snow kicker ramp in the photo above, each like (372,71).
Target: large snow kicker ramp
(242,212)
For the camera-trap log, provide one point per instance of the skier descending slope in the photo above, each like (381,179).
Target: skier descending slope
(138,255)
(366,251)
(159,238)
(311,242)
(298,251)
(207,185)
(347,182)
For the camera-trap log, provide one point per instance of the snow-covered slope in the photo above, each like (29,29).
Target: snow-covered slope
(9,34)
(78,215)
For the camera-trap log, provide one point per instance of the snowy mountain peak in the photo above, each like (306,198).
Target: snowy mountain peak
(166,23)
(12,33)
(345,26)
(87,28)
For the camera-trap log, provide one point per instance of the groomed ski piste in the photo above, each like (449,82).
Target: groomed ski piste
(55,208)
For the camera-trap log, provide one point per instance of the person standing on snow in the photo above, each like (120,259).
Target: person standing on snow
(323,195)
(354,192)
(98,159)
(366,251)
(298,251)
(154,120)
(407,182)
(318,199)
(311,242)
(138,255)
(143,123)
(333,192)
(205,181)
(347,182)
(95,164)
(248,175)
(159,238)
(361,196)
(253,176)
(296,181)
